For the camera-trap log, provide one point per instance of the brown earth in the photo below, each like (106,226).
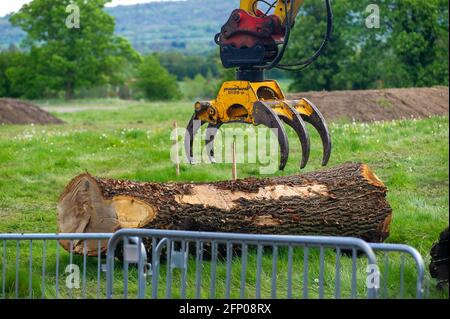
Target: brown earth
(20,112)
(379,105)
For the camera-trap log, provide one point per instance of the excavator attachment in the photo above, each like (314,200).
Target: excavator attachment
(258,103)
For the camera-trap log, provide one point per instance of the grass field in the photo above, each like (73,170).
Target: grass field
(131,140)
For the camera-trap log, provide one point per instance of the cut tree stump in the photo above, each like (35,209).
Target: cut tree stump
(347,200)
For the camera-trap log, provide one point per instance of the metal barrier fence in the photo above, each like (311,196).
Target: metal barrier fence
(404,251)
(259,274)
(38,262)
(181,264)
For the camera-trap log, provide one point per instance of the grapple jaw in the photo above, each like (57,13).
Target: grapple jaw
(270,112)
(311,114)
(263,114)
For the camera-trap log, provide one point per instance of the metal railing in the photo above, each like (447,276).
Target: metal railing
(226,251)
(404,251)
(135,263)
(38,264)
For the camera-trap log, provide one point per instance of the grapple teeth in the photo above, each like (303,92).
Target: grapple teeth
(211,132)
(317,120)
(192,129)
(263,114)
(299,126)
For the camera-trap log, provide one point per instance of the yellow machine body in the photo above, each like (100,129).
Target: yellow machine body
(249,5)
(236,99)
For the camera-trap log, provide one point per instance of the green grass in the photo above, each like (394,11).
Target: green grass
(132,141)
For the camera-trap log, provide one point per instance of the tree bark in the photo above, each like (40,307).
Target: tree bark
(347,200)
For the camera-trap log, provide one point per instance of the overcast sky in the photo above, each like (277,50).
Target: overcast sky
(8,6)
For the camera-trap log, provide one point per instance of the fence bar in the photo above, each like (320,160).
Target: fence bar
(338,274)
(169,269)
(184,270)
(198,267)
(213,270)
(321,271)
(228,271)
(141,277)
(155,269)
(17,268)
(305,271)
(30,270)
(354,274)
(71,263)
(244,270)
(57,270)
(4,270)
(289,279)
(44,262)
(402,275)
(258,270)
(125,270)
(274,271)
(84,269)
(386,274)
(99,266)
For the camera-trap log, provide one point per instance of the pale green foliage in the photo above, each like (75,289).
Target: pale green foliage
(155,82)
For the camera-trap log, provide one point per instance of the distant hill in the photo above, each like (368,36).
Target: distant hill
(187,26)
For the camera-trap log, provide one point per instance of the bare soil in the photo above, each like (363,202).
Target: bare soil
(379,105)
(14,111)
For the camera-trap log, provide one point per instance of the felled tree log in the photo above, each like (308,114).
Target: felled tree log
(347,200)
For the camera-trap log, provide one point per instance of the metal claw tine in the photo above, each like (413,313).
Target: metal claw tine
(192,129)
(263,114)
(299,127)
(211,132)
(317,120)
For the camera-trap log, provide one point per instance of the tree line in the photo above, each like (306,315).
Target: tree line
(408,47)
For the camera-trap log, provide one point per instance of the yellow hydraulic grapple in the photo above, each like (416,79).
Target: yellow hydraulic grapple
(253,41)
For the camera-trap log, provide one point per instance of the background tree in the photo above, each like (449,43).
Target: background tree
(8,59)
(65,58)
(409,49)
(155,82)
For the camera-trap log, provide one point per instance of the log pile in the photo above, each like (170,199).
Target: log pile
(347,200)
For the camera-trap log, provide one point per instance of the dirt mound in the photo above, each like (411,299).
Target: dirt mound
(20,112)
(378,105)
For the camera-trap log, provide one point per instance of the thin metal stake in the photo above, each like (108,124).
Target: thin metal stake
(234,167)
(177,156)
